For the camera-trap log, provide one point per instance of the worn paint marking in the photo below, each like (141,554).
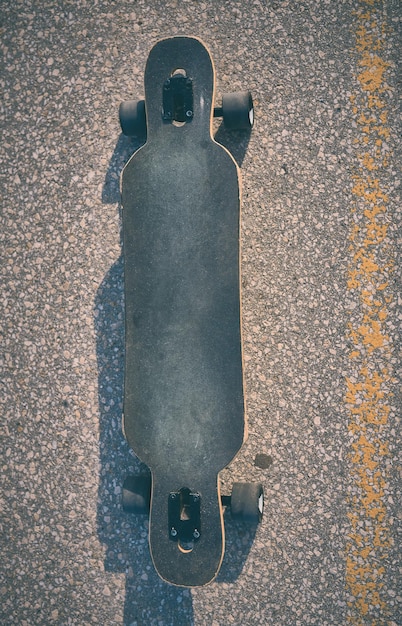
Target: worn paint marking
(370,380)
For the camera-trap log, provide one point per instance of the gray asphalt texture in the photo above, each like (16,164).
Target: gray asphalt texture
(69,554)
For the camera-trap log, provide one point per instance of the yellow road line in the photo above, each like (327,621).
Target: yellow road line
(370,380)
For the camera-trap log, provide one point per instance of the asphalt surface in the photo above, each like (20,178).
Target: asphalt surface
(320,279)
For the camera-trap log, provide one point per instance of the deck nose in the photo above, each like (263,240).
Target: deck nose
(179,85)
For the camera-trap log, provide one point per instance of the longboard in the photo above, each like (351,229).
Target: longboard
(183,386)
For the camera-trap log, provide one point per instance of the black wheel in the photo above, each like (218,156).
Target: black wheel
(247,502)
(238,110)
(136,495)
(133,119)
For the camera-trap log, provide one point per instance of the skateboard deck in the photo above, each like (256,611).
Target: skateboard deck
(183,387)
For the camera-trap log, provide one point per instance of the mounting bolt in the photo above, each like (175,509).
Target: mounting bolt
(173,532)
(196,534)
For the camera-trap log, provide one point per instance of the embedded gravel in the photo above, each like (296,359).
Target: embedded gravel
(70,555)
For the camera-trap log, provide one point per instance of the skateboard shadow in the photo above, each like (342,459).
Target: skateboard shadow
(236,141)
(124,149)
(125,537)
(239,538)
(148,599)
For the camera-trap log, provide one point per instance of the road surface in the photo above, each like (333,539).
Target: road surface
(320,278)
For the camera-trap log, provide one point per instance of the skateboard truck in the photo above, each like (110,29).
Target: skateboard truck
(184,517)
(237,109)
(178,98)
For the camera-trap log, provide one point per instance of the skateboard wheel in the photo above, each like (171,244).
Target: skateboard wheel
(238,110)
(247,502)
(133,118)
(136,495)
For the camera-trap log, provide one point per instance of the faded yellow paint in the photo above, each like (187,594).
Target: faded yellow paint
(368,388)
(354,354)
(372,78)
(376,233)
(372,335)
(368,188)
(368,162)
(367,263)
